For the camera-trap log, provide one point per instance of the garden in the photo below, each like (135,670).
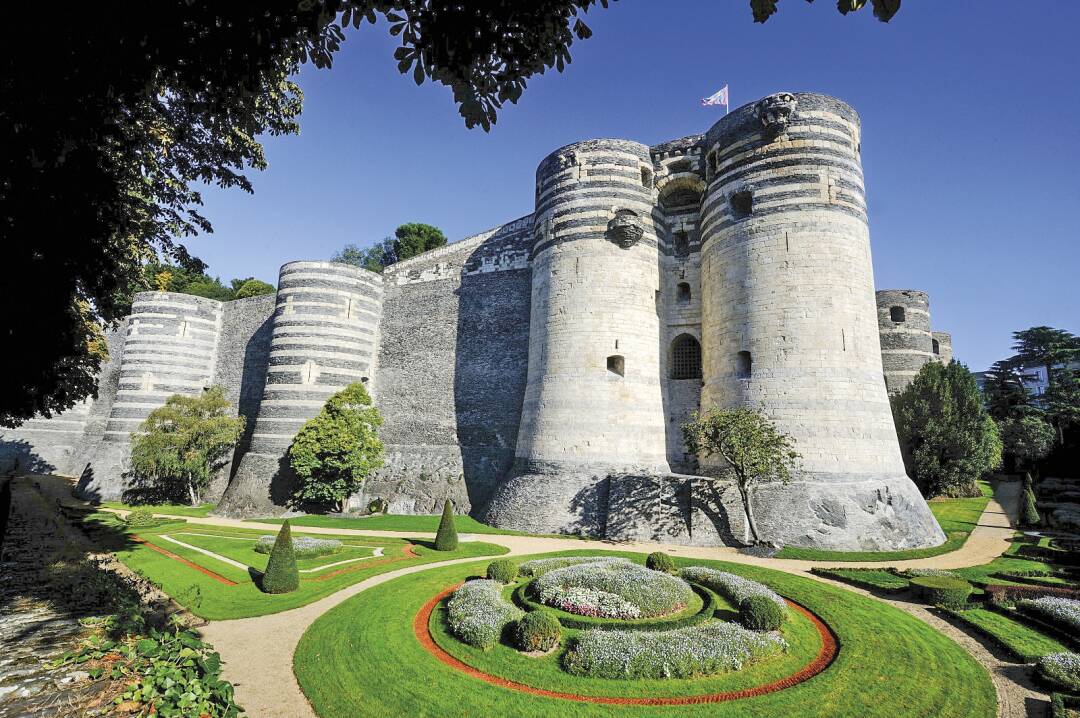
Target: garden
(587,633)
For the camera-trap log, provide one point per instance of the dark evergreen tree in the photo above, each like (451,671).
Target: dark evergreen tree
(281,575)
(446,537)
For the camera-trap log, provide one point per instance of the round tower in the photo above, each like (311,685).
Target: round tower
(906,340)
(593,404)
(325,326)
(942,346)
(788,322)
(170,347)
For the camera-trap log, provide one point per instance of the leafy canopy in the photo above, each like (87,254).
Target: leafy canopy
(338,449)
(185,441)
(408,241)
(1027,438)
(253,288)
(946,435)
(753,449)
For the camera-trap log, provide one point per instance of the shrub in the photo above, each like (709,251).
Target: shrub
(537,631)
(446,536)
(538,567)
(303,546)
(281,575)
(478,614)
(1061,670)
(1062,612)
(378,506)
(942,590)
(504,570)
(734,588)
(706,649)
(142,517)
(1029,512)
(612,589)
(760,613)
(660,561)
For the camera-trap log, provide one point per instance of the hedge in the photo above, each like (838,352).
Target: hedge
(504,570)
(942,590)
(537,631)
(759,613)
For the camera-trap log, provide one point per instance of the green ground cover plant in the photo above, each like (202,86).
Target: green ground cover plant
(1024,642)
(244,548)
(957,518)
(171,509)
(872,579)
(361,658)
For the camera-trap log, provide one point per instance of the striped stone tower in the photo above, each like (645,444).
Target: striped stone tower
(906,340)
(788,321)
(170,348)
(942,346)
(325,330)
(593,405)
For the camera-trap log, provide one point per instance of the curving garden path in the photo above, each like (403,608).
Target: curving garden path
(258,651)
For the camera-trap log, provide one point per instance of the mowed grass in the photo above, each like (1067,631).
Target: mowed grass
(171,509)
(362,659)
(209,598)
(1025,642)
(957,517)
(394,522)
(242,548)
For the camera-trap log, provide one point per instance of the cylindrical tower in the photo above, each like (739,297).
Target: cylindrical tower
(593,404)
(906,340)
(788,322)
(170,348)
(942,346)
(325,328)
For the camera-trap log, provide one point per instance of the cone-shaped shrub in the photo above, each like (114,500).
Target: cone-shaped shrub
(1030,514)
(446,538)
(281,575)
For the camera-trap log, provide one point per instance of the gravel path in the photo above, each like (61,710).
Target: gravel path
(258,651)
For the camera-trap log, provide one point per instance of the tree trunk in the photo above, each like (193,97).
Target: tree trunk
(744,493)
(191,493)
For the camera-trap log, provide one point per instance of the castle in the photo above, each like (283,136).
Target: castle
(538,373)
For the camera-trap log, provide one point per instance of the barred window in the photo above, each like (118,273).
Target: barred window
(685,358)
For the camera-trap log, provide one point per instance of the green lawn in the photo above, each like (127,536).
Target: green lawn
(395,522)
(872,579)
(957,518)
(171,509)
(1025,642)
(361,659)
(209,598)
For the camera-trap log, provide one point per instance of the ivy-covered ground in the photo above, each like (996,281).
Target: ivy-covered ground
(362,658)
(217,589)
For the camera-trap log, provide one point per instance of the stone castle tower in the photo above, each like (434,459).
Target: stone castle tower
(538,373)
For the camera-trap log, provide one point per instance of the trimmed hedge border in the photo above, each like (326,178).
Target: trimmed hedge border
(1060,703)
(1004,593)
(709,599)
(942,590)
(830,648)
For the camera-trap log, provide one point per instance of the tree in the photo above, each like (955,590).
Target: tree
(946,435)
(185,441)
(281,574)
(446,537)
(408,241)
(1062,400)
(1005,393)
(338,449)
(1026,439)
(252,288)
(753,449)
(883,9)
(1045,347)
(105,134)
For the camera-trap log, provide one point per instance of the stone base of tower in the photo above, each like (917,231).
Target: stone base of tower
(104,477)
(843,513)
(261,487)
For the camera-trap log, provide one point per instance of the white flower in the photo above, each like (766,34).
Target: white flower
(613,589)
(732,587)
(477,613)
(1065,611)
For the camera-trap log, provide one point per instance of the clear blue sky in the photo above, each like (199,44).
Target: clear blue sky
(971,143)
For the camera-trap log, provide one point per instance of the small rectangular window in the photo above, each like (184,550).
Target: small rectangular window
(744,365)
(616,364)
(742,204)
(897,314)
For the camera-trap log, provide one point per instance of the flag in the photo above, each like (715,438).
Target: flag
(720,98)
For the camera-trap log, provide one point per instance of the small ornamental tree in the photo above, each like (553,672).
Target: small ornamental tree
(185,441)
(947,438)
(446,537)
(337,450)
(753,449)
(1029,510)
(281,575)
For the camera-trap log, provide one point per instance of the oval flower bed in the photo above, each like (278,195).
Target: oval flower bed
(703,650)
(734,588)
(612,589)
(1062,612)
(303,546)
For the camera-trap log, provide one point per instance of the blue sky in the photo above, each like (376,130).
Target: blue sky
(971,142)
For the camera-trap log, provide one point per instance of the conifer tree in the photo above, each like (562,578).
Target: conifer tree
(446,537)
(281,575)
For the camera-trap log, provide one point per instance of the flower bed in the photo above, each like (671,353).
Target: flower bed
(477,613)
(1006,594)
(303,546)
(707,649)
(540,566)
(612,589)
(1062,670)
(1061,612)
(701,608)
(733,588)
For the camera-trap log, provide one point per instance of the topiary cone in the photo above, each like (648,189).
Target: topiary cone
(446,538)
(281,575)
